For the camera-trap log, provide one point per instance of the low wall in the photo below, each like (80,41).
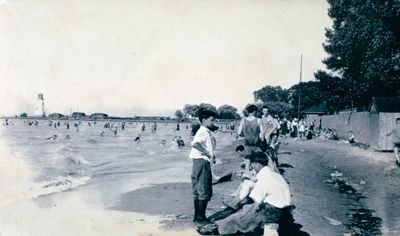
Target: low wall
(356,122)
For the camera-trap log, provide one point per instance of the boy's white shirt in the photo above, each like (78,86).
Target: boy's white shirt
(205,138)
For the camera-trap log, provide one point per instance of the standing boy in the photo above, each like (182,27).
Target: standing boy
(202,153)
(250,128)
(396,140)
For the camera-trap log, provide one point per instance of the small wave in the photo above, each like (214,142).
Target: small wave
(63,183)
(78,160)
(56,185)
(71,155)
(102,164)
(92,141)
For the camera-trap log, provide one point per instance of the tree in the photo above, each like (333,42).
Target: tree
(209,107)
(179,114)
(227,112)
(191,110)
(23,115)
(310,94)
(281,109)
(364,51)
(271,94)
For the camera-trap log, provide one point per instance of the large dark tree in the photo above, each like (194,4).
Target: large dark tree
(276,99)
(193,109)
(271,94)
(227,112)
(364,51)
(310,94)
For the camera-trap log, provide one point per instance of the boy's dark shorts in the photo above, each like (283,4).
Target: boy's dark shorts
(201,179)
(396,145)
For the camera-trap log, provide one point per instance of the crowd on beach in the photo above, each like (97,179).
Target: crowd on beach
(263,197)
(262,201)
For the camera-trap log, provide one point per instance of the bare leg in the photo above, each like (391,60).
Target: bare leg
(247,164)
(396,154)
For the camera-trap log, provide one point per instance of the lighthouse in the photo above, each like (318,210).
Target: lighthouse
(39,108)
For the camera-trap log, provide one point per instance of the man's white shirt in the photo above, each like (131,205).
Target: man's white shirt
(271,188)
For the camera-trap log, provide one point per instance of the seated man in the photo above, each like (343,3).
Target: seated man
(268,199)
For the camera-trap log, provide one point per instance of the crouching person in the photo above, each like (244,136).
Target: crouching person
(270,198)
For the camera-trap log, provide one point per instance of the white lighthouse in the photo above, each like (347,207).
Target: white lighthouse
(39,107)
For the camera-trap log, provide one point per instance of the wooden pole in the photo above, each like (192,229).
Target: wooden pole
(301,70)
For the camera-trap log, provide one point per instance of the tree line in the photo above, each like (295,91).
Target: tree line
(226,112)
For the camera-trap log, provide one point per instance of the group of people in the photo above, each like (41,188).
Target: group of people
(263,195)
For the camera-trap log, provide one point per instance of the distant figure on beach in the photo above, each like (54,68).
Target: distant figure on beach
(163,142)
(178,127)
(102,133)
(269,127)
(294,127)
(284,126)
(395,132)
(250,128)
(302,128)
(202,154)
(67,125)
(67,137)
(54,137)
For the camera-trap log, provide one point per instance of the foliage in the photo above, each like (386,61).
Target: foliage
(179,114)
(192,110)
(227,112)
(281,109)
(271,94)
(23,115)
(364,51)
(310,94)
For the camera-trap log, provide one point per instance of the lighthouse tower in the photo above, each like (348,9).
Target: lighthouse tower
(39,108)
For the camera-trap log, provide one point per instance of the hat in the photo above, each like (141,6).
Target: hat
(259,157)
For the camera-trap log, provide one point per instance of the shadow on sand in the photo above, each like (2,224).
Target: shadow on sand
(172,200)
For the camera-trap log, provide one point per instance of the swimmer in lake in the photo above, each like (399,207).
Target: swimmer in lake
(54,137)
(163,142)
(137,139)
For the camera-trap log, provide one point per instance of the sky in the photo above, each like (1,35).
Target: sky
(150,57)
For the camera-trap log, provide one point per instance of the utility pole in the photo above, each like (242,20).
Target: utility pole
(301,70)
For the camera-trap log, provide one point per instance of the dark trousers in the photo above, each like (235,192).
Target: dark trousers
(201,179)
